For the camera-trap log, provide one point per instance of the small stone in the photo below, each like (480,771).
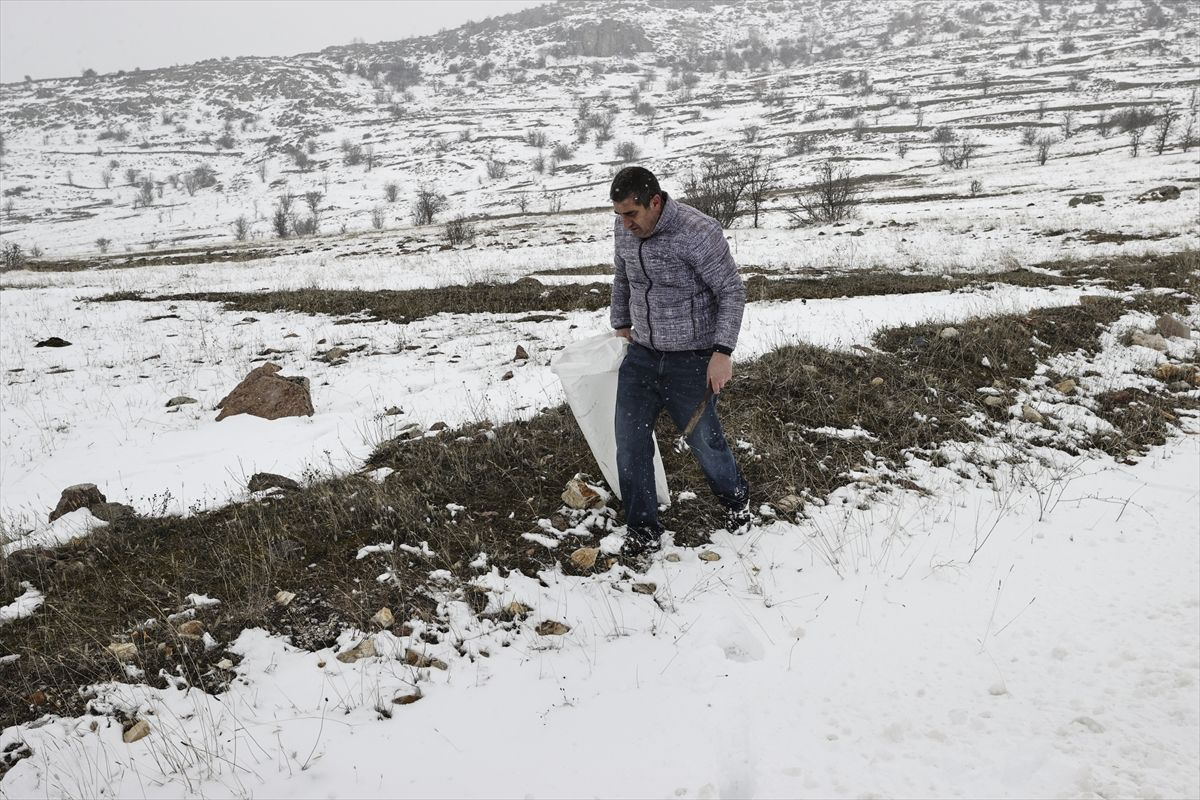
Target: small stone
(123,651)
(995,401)
(364,649)
(585,557)
(1179,386)
(53,341)
(393,411)
(139,730)
(552,627)
(284,598)
(1085,199)
(407,699)
(1030,414)
(333,354)
(1089,723)
(111,512)
(674,558)
(997,689)
(645,588)
(193,627)
(262,481)
(438,426)
(1151,340)
(423,661)
(877,381)
(789,503)
(1171,326)
(579,495)
(521,355)
(507,376)
(181,400)
(383,618)
(516,609)
(709,555)
(1066,386)
(811,369)
(949,333)
(73,498)
(224,663)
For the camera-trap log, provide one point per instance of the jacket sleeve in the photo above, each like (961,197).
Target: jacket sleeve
(618,313)
(714,264)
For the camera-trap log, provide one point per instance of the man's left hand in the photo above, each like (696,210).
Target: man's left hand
(720,370)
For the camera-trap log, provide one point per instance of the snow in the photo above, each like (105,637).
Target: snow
(24,606)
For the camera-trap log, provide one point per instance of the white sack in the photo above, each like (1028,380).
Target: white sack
(588,371)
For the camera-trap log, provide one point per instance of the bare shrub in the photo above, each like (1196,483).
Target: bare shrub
(957,155)
(131,176)
(12,256)
(800,144)
(1029,135)
(281,217)
(459,231)
(1135,141)
(1162,130)
(750,133)
(943,134)
(241,228)
(102,244)
(976,187)
(722,187)
(427,205)
(1068,124)
(835,196)
(538,163)
(1188,140)
(391,190)
(377,218)
(106,177)
(627,152)
(562,152)
(496,169)
(1044,144)
(535,139)
(352,154)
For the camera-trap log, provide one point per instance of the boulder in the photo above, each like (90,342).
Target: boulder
(73,498)
(261,481)
(111,512)
(521,355)
(1175,372)
(193,628)
(1085,199)
(995,401)
(423,661)
(53,341)
(1172,327)
(508,376)
(1160,194)
(1151,340)
(266,394)
(284,598)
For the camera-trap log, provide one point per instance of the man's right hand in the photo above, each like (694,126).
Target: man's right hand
(624,333)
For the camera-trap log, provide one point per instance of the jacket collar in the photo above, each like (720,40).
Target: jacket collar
(668,217)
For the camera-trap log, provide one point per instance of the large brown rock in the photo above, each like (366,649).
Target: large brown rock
(81,495)
(266,394)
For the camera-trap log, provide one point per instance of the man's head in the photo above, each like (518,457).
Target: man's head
(637,200)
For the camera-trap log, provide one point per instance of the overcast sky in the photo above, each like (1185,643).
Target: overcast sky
(61,38)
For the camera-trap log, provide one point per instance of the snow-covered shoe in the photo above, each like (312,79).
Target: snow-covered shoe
(738,519)
(641,543)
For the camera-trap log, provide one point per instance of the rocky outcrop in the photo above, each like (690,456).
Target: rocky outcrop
(266,394)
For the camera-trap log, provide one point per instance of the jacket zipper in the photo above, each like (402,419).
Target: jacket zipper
(649,286)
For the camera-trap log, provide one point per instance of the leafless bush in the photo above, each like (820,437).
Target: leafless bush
(12,256)
(562,152)
(858,129)
(750,133)
(352,154)
(146,191)
(538,164)
(1135,141)
(131,176)
(943,134)
(377,218)
(427,205)
(799,144)
(1043,145)
(976,187)
(496,169)
(1188,140)
(722,187)
(460,231)
(1129,119)
(646,109)
(106,177)
(281,217)
(102,244)
(241,228)
(1162,130)
(1068,124)
(1029,136)
(535,139)
(627,152)
(391,190)
(902,148)
(957,155)
(835,196)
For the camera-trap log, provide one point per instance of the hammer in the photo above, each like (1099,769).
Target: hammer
(681,445)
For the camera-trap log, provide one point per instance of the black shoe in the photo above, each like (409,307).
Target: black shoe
(641,542)
(738,519)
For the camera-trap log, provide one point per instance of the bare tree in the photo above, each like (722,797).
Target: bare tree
(716,187)
(427,205)
(1162,129)
(627,152)
(834,197)
(1104,124)
(1188,140)
(106,177)
(1068,124)
(1043,145)
(1135,141)
(377,218)
(102,244)
(241,228)
(496,169)
(460,231)
(391,190)
(957,155)
(760,181)
(281,218)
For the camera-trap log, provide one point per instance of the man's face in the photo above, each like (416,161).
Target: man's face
(639,220)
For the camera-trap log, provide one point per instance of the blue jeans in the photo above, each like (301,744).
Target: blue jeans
(648,382)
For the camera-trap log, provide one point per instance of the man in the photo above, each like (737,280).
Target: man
(678,299)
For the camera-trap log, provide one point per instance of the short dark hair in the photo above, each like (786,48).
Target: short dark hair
(636,182)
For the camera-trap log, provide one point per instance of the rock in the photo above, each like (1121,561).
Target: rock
(333,354)
(263,393)
(507,376)
(261,481)
(393,411)
(949,333)
(674,558)
(709,555)
(1159,194)
(224,663)
(1172,327)
(1085,199)
(645,588)
(521,355)
(1030,414)
(407,699)
(877,381)
(552,627)
(383,618)
(1089,723)
(995,401)
(811,369)
(516,609)
(123,651)
(364,649)
(284,598)
(438,426)
(139,730)
(579,495)
(1066,386)
(1151,340)
(423,661)
(997,689)
(181,400)
(53,341)
(1179,386)
(585,557)
(789,503)
(111,512)
(73,498)
(1175,372)
(193,627)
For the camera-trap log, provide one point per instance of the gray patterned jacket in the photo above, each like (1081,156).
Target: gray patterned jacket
(679,288)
